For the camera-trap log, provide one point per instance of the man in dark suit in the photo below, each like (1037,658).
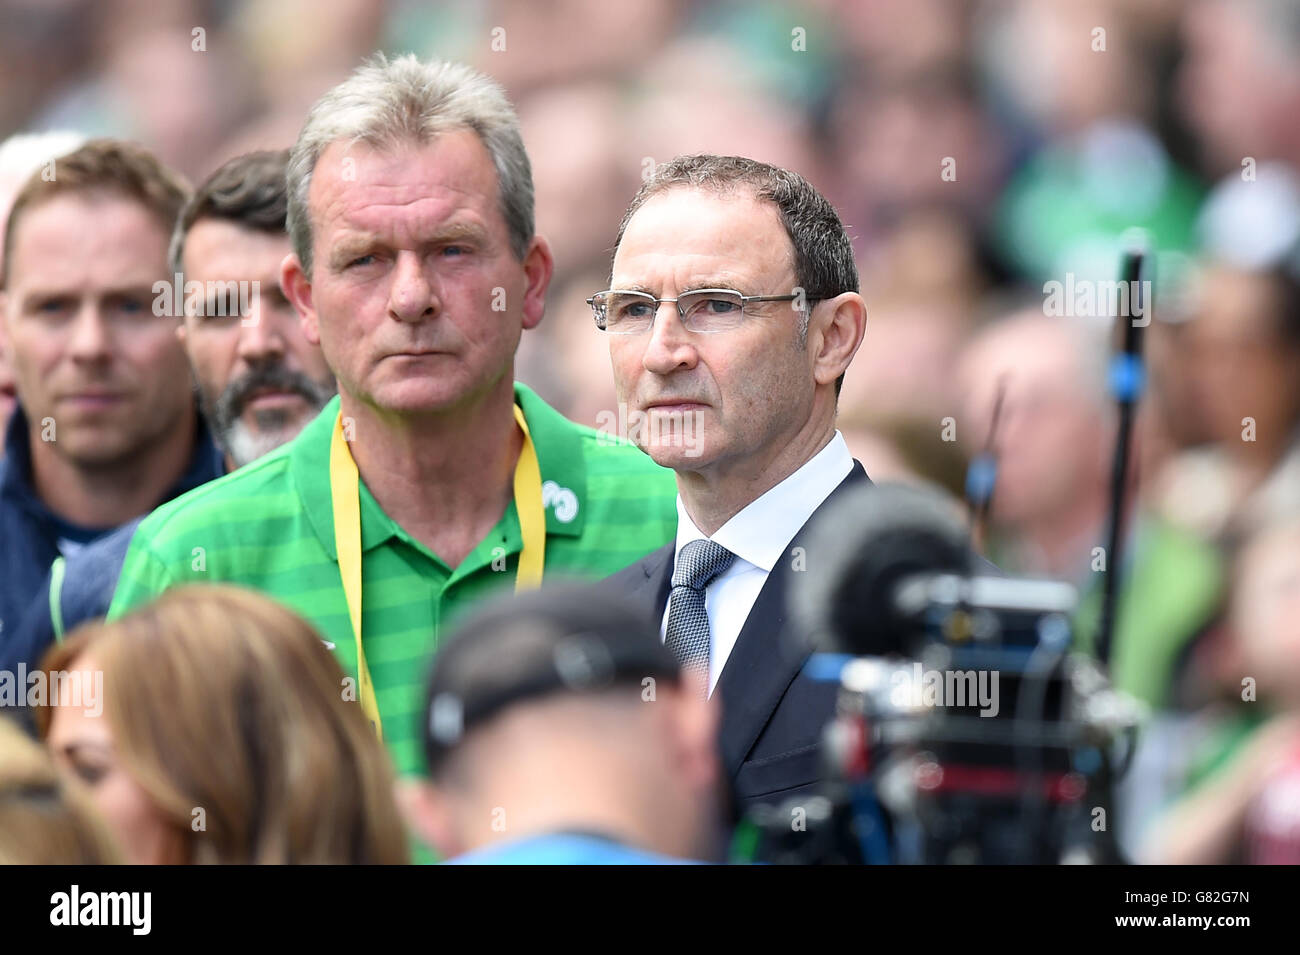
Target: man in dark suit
(732,315)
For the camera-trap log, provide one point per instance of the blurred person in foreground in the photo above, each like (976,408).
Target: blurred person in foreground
(259,380)
(1242,802)
(106,428)
(732,314)
(217,734)
(559,730)
(433,479)
(45,818)
(21,155)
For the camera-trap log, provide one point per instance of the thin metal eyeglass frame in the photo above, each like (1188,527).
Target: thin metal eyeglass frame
(744,300)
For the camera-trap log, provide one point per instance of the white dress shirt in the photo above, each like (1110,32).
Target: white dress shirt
(758,536)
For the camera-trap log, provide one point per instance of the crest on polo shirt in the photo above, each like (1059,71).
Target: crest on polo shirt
(562,500)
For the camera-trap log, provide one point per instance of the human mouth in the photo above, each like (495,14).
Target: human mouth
(674,406)
(94,400)
(269,398)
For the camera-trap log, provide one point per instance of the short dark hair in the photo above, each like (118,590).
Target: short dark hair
(824,265)
(249,190)
(101,166)
(567,638)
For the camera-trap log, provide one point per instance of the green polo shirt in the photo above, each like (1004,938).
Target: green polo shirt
(270,526)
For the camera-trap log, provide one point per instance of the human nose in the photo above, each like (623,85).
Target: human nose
(410,296)
(90,340)
(670,346)
(261,338)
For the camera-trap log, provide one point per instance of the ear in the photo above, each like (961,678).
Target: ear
(835,335)
(427,812)
(296,285)
(538,268)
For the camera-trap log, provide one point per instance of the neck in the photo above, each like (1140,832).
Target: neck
(446,478)
(718,493)
(105,495)
(544,800)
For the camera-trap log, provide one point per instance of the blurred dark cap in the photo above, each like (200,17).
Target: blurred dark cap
(561,639)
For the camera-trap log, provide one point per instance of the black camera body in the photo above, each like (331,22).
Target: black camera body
(966,728)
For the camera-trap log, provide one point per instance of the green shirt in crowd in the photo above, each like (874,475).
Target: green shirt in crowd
(270,526)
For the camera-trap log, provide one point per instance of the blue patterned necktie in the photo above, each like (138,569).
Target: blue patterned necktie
(687,635)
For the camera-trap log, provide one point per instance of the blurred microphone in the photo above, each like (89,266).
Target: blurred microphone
(861,552)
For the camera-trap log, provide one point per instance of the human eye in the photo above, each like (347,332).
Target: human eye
(89,767)
(361,260)
(711,308)
(721,305)
(51,307)
(131,306)
(89,773)
(633,308)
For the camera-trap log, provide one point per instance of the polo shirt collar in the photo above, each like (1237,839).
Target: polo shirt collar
(559,457)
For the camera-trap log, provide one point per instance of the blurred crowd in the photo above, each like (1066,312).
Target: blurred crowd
(977,152)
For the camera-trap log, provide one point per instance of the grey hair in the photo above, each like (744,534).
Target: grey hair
(387,103)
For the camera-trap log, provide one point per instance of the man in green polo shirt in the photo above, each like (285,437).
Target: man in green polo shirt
(433,479)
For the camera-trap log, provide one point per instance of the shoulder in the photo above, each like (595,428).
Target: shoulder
(103,552)
(250,494)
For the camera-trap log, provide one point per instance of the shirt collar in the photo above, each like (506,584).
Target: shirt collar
(559,458)
(760,532)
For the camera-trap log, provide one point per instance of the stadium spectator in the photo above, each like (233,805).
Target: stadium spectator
(1242,799)
(732,316)
(20,156)
(106,427)
(219,734)
(259,380)
(559,730)
(45,819)
(1048,513)
(434,478)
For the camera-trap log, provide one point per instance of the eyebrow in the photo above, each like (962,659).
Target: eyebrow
(687,287)
(52,294)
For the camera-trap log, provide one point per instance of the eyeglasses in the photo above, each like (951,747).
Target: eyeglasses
(704,310)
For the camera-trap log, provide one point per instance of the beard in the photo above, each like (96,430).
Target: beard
(271,427)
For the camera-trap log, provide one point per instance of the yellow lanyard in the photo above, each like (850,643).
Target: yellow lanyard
(345,496)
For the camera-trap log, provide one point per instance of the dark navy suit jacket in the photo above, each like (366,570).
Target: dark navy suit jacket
(772,713)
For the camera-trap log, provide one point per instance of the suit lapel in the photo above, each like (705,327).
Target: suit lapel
(762,664)
(649,589)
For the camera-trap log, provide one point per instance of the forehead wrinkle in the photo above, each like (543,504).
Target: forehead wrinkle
(686,277)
